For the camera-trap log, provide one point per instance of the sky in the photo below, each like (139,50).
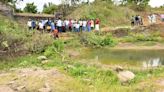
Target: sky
(40,3)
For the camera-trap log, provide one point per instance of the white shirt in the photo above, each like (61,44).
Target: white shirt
(84,23)
(29,23)
(59,23)
(40,25)
(77,25)
(66,22)
(81,23)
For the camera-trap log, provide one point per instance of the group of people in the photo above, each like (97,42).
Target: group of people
(65,25)
(136,20)
(152,18)
(59,25)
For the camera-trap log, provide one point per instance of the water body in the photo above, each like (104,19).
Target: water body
(139,58)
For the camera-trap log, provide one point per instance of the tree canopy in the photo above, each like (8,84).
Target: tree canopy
(136,2)
(30,8)
(50,8)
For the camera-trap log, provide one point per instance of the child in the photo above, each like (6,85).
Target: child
(55,34)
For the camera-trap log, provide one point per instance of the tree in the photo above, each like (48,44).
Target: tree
(139,5)
(50,8)
(136,2)
(30,8)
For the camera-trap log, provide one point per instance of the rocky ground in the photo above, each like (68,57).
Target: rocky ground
(33,80)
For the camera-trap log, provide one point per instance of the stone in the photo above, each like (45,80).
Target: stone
(118,68)
(20,88)
(125,76)
(45,61)
(42,58)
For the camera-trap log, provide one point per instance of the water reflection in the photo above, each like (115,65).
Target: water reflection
(154,62)
(141,58)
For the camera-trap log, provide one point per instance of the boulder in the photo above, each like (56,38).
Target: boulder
(42,58)
(125,76)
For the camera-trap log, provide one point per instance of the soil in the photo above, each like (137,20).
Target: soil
(33,79)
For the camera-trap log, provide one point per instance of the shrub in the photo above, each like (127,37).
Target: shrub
(93,40)
(56,48)
(38,43)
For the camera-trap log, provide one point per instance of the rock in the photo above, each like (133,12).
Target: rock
(20,88)
(6,89)
(119,68)
(42,58)
(45,61)
(125,76)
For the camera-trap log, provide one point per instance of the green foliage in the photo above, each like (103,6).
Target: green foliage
(38,43)
(30,8)
(51,9)
(136,2)
(106,12)
(95,40)
(59,45)
(10,34)
(56,48)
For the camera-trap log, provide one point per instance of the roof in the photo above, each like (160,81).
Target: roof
(34,15)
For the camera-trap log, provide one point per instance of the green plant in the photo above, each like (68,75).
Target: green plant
(96,40)
(39,42)
(56,48)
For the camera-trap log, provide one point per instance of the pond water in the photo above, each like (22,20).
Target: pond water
(139,58)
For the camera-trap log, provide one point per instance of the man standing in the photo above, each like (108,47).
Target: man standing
(97,24)
(41,26)
(81,24)
(59,25)
(29,24)
(154,18)
(92,24)
(84,25)
(33,24)
(89,25)
(77,26)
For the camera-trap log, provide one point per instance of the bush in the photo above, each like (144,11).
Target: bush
(93,40)
(56,48)
(108,41)
(38,43)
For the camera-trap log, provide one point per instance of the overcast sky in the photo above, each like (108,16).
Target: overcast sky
(40,3)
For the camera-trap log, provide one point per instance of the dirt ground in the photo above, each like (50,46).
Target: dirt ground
(34,80)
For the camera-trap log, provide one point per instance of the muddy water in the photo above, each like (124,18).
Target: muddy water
(139,58)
